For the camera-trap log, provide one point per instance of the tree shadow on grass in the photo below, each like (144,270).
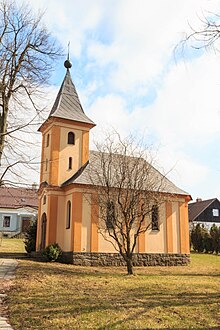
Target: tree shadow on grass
(46,305)
(75,298)
(51,268)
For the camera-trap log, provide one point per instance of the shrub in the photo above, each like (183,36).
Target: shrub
(52,252)
(30,237)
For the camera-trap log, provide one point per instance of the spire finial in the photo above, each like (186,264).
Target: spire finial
(67,63)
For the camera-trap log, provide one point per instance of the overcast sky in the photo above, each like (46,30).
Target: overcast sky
(129,77)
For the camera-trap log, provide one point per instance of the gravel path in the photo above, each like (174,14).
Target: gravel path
(7,274)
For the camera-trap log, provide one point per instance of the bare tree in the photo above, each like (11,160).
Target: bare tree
(207,36)
(128,192)
(27,53)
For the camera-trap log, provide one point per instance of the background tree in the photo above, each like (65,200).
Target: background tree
(215,236)
(30,237)
(128,192)
(27,53)
(197,238)
(206,36)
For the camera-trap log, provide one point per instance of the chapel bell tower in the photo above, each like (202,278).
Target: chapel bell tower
(65,136)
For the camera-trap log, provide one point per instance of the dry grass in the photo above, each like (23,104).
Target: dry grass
(56,296)
(12,245)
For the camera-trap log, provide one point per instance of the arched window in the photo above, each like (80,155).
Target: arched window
(68,215)
(155,217)
(71,138)
(48,140)
(70,163)
(110,215)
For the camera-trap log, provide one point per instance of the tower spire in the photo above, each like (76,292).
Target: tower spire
(67,63)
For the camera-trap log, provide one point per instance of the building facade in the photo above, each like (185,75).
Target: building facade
(67,214)
(18,207)
(204,212)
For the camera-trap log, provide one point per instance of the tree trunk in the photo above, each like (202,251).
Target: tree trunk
(3,130)
(129,265)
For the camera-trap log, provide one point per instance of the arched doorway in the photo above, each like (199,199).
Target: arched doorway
(43,231)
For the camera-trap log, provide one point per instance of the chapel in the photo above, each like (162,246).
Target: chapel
(67,217)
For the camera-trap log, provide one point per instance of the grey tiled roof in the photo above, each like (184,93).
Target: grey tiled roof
(67,104)
(87,175)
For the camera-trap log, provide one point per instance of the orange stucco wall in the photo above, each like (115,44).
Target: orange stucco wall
(42,158)
(156,241)
(77,220)
(141,243)
(86,223)
(54,161)
(169,227)
(85,147)
(94,225)
(38,226)
(184,228)
(51,219)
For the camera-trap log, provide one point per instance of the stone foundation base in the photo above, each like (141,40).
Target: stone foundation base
(115,259)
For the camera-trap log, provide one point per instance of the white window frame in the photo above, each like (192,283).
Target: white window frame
(3,219)
(215,212)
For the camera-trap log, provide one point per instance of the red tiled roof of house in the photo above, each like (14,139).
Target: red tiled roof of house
(18,197)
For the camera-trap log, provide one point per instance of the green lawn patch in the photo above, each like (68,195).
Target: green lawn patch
(57,296)
(12,245)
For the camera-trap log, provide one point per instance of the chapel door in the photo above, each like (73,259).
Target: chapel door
(43,231)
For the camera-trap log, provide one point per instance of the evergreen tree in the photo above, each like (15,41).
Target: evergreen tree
(197,238)
(30,237)
(215,235)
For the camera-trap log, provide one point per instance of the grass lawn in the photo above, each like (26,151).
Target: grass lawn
(10,245)
(57,296)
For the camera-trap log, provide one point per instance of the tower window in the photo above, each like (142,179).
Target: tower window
(44,199)
(155,218)
(68,215)
(70,163)
(71,138)
(48,140)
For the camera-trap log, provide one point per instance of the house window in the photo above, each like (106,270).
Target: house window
(215,212)
(155,217)
(6,221)
(68,215)
(48,140)
(71,138)
(70,163)
(110,215)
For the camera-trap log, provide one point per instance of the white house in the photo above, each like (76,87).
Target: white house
(18,207)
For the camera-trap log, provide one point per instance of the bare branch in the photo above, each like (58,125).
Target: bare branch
(128,188)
